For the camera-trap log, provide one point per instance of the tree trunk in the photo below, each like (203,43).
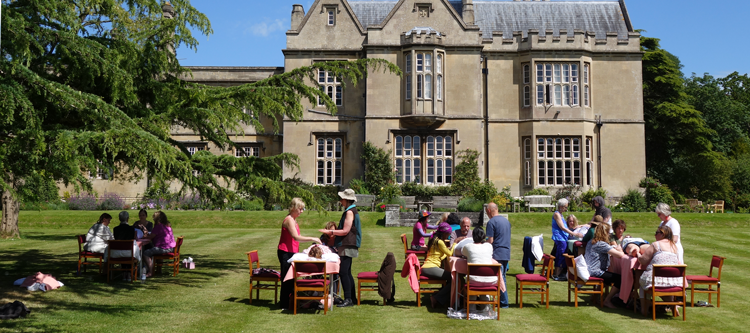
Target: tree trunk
(9,227)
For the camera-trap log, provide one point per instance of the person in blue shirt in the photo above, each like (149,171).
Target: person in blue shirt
(498,233)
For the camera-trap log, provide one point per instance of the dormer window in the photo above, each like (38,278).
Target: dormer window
(331,16)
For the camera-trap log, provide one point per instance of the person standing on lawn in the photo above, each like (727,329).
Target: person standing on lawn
(348,240)
(498,233)
(560,233)
(288,246)
(665,214)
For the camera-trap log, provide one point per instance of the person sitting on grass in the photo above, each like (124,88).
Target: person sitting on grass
(162,239)
(597,258)
(437,250)
(99,234)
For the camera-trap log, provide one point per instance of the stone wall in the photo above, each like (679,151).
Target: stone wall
(395,218)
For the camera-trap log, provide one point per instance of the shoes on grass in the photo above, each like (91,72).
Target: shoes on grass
(347,303)
(560,278)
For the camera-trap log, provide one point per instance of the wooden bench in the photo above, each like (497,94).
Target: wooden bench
(538,201)
(694,205)
(366,200)
(446,202)
(409,202)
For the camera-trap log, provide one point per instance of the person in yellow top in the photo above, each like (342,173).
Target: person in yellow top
(436,252)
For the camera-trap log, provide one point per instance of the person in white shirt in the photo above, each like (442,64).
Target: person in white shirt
(99,234)
(664,212)
(479,252)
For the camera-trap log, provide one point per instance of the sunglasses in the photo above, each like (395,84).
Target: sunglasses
(658,233)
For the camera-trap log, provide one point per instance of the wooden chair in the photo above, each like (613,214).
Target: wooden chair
(478,290)
(596,284)
(708,280)
(678,207)
(121,245)
(426,282)
(717,206)
(694,205)
(421,254)
(172,258)
(369,278)
(252,257)
(83,256)
(310,285)
(676,292)
(540,282)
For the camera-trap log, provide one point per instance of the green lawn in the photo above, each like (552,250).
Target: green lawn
(214,296)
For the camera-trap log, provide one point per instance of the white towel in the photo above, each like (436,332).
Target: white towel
(537,246)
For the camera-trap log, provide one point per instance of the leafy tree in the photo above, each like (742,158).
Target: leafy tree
(378,167)
(466,174)
(95,84)
(678,140)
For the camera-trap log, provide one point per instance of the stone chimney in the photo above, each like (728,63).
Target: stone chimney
(298,13)
(468,12)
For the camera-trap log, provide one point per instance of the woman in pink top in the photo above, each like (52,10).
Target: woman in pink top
(289,245)
(419,232)
(162,239)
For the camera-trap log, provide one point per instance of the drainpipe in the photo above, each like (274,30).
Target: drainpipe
(599,125)
(485,98)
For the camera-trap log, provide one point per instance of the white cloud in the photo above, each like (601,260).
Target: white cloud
(265,28)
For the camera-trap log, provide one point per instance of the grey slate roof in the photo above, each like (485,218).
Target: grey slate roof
(371,12)
(508,16)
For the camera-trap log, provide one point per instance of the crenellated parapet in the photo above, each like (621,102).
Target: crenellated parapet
(422,36)
(562,40)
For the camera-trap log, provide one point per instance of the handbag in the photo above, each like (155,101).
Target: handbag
(582,268)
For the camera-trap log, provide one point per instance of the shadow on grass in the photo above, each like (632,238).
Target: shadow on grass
(50,237)
(381,222)
(263,303)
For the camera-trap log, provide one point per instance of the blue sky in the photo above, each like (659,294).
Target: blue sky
(707,36)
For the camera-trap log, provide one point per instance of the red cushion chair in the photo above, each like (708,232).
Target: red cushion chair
(538,282)
(709,281)
(676,292)
(172,258)
(127,263)
(426,282)
(259,279)
(83,256)
(422,255)
(479,290)
(369,278)
(594,285)
(310,285)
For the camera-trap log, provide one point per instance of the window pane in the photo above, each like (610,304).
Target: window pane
(428,86)
(399,145)
(558,148)
(329,172)
(558,95)
(419,62)
(439,172)
(588,148)
(550,173)
(407,170)
(407,146)
(586,95)
(320,99)
(575,95)
(588,173)
(338,148)
(567,173)
(439,146)
(321,148)
(331,17)
(548,72)
(329,75)
(566,95)
(439,63)
(428,62)
(539,73)
(321,172)
(408,62)
(586,73)
(559,172)
(576,148)
(337,178)
(339,98)
(430,146)
(566,73)
(540,94)
(557,73)
(541,173)
(408,87)
(329,147)
(399,170)
(417,146)
(448,171)
(576,172)
(448,146)
(526,96)
(527,148)
(439,87)
(330,92)
(567,148)
(419,86)
(430,170)
(417,170)
(574,73)
(321,76)
(525,74)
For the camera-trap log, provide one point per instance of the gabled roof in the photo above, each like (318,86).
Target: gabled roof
(508,16)
(371,13)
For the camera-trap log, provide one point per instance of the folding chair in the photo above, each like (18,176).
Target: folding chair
(121,245)
(539,282)
(252,257)
(310,285)
(478,290)
(668,271)
(709,281)
(83,256)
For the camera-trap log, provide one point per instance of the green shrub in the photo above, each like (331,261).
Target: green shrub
(484,192)
(358,186)
(418,190)
(390,193)
(466,174)
(633,201)
(470,204)
(378,167)
(537,191)
(572,192)
(589,195)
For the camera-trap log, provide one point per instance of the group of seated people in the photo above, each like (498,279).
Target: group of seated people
(159,235)
(603,241)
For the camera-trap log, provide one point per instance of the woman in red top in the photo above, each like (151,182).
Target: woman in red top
(289,245)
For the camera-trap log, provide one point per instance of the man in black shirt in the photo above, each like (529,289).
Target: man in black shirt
(124,231)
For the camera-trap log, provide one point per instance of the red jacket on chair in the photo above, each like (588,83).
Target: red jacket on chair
(411,268)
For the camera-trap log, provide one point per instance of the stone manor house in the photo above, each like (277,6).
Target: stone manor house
(548,93)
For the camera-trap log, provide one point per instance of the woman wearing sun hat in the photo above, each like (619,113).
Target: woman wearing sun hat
(419,232)
(436,252)
(348,240)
